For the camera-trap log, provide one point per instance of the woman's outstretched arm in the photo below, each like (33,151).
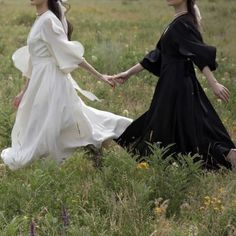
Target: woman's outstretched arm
(123,76)
(88,67)
(18,98)
(219,90)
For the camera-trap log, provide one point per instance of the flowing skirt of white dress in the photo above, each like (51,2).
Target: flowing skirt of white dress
(52,120)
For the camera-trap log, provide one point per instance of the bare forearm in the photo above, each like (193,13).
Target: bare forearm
(135,70)
(124,76)
(25,86)
(209,76)
(85,65)
(219,90)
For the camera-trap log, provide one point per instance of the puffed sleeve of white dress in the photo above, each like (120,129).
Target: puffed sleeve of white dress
(22,61)
(68,54)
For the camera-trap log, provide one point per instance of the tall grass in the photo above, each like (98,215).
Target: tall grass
(123,198)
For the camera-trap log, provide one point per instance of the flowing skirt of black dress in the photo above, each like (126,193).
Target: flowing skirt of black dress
(180,114)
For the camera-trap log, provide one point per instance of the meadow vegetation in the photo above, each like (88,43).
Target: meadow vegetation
(123,198)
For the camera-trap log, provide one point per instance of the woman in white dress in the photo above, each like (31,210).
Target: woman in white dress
(51,119)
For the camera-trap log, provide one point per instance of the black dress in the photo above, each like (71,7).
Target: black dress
(180,112)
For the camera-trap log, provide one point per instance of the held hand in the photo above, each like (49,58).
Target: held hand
(109,80)
(17,100)
(122,77)
(221,92)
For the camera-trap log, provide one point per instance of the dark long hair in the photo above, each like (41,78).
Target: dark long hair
(53,5)
(192,12)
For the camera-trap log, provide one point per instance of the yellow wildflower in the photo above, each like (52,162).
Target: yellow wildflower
(159,210)
(143,165)
(212,203)
(207,198)
(161,206)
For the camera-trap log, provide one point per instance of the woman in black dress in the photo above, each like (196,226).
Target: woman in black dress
(180,112)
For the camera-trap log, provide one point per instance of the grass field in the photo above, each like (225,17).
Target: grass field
(122,199)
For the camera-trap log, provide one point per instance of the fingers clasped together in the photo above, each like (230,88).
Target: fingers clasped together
(114,80)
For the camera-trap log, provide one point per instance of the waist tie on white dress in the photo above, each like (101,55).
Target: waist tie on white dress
(41,60)
(46,60)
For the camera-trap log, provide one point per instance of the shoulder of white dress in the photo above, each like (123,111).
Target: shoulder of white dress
(51,21)
(50,18)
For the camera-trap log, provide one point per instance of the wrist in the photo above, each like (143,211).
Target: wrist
(99,76)
(213,82)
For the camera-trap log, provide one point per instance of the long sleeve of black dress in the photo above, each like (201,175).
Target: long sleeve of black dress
(190,44)
(152,61)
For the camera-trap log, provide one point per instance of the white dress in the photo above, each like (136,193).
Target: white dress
(52,120)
